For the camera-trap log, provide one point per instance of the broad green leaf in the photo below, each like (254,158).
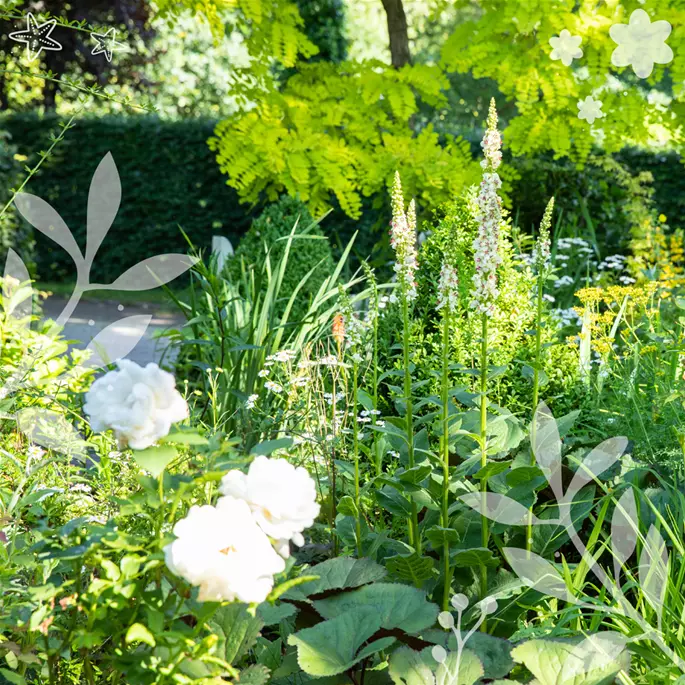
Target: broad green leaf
(593,661)
(408,667)
(478,556)
(491,469)
(272,614)
(493,652)
(185,438)
(393,502)
(412,568)
(12,677)
(395,605)
(255,675)
(236,629)
(438,536)
(139,633)
(269,446)
(338,574)
(334,646)
(155,459)
(347,507)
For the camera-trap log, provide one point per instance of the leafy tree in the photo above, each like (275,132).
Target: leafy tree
(130,17)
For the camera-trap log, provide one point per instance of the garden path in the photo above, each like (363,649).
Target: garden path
(91,317)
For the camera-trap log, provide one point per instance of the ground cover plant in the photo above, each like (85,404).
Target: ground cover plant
(375,489)
(445,447)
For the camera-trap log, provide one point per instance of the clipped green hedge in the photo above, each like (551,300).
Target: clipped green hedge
(169,179)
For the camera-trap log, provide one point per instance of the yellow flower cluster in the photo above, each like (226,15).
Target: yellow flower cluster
(606,308)
(659,253)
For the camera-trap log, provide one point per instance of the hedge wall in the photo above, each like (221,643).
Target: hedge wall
(169,179)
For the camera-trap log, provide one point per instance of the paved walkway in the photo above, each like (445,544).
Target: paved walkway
(91,317)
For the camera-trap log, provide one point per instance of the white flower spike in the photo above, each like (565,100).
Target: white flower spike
(566,47)
(282,498)
(641,43)
(222,551)
(138,403)
(590,109)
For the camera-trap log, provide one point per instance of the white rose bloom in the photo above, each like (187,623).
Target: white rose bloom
(222,551)
(282,498)
(138,403)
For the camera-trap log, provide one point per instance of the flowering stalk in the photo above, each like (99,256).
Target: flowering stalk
(374,310)
(353,334)
(541,258)
(448,301)
(403,240)
(484,294)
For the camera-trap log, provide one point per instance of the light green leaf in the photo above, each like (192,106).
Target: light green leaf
(185,438)
(413,567)
(12,677)
(236,629)
(155,459)
(139,633)
(255,675)
(347,507)
(269,446)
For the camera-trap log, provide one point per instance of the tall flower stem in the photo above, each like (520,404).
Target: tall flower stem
(542,268)
(447,571)
(485,531)
(536,393)
(414,536)
(355,449)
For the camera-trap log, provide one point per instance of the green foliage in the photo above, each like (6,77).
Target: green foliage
(341,131)
(324,24)
(168,180)
(508,41)
(311,251)
(14,233)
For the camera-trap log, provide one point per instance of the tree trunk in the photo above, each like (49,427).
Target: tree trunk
(397,30)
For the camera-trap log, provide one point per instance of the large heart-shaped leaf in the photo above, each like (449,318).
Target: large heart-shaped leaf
(340,573)
(334,646)
(237,630)
(395,605)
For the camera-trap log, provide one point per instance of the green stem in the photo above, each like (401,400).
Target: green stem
(485,532)
(414,537)
(536,391)
(445,458)
(355,433)
(379,457)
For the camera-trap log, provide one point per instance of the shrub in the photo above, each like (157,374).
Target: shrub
(14,232)
(267,236)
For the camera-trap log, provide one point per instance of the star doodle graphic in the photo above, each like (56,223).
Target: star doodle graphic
(106,44)
(641,43)
(37,38)
(590,109)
